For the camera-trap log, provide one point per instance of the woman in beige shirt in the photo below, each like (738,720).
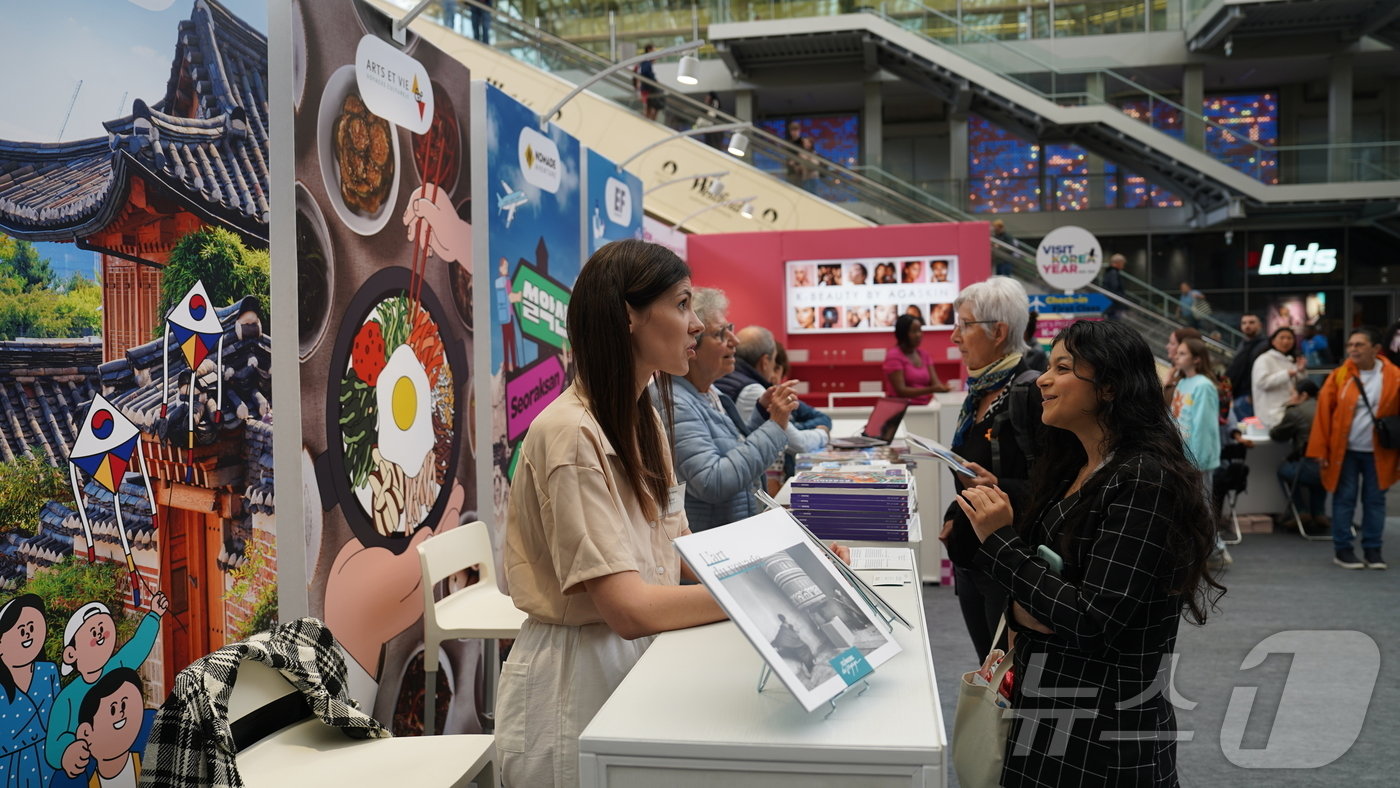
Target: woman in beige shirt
(593,510)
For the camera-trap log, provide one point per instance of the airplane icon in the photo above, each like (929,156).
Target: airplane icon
(510,200)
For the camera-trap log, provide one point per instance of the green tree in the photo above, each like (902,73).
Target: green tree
(72,583)
(44,313)
(217,257)
(33,303)
(20,259)
(25,486)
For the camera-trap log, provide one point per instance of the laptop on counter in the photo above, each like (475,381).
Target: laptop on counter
(880,428)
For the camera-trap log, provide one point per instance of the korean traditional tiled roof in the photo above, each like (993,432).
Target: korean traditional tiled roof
(61,532)
(133,383)
(205,143)
(43,385)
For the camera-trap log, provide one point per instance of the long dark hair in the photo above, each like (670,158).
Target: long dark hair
(8,619)
(1136,424)
(902,325)
(622,274)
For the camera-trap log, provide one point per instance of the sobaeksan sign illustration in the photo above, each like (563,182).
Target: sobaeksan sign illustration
(1068,258)
(394,86)
(1312,260)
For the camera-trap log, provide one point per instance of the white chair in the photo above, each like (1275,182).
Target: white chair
(478,611)
(293,747)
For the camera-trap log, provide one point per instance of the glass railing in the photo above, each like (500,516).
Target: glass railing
(1040,193)
(979,30)
(1226,139)
(596,24)
(869,192)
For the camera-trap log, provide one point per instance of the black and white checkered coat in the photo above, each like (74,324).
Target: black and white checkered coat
(191,743)
(1089,700)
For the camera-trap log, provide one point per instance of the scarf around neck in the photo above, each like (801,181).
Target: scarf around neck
(981,382)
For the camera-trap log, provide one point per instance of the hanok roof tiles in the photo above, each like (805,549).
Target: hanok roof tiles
(43,384)
(205,142)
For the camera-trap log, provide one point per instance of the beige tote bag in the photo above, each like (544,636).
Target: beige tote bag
(981,726)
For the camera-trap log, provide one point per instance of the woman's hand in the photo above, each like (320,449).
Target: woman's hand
(946,532)
(1028,621)
(984,477)
(782,401)
(842,552)
(988,508)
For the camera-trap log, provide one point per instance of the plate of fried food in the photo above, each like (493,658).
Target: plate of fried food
(359,155)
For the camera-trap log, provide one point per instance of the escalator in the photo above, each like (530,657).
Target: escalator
(1024,95)
(523,58)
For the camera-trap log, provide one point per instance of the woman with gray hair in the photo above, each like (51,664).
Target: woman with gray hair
(997,433)
(720,455)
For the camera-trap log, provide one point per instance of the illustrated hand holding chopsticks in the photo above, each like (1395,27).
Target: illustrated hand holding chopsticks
(431,221)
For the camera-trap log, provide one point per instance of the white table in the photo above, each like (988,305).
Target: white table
(689,716)
(1264,495)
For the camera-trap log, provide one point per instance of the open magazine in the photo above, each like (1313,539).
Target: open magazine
(927,447)
(792,604)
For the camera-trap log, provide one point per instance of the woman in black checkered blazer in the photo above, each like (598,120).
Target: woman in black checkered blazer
(1117,502)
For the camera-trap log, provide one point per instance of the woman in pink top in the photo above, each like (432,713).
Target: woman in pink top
(908,369)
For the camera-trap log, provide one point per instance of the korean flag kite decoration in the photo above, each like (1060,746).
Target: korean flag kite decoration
(199,335)
(106,444)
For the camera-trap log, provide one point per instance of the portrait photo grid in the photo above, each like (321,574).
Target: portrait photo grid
(868,294)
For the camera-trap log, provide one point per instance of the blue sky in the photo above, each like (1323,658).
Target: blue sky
(120,49)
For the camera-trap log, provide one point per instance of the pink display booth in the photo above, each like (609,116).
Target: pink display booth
(832,295)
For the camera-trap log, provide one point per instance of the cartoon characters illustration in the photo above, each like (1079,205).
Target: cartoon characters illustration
(109,721)
(90,648)
(28,687)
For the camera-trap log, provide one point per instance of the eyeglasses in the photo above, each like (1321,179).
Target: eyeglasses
(959,324)
(720,333)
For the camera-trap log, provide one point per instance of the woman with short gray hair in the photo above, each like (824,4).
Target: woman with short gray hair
(997,433)
(719,455)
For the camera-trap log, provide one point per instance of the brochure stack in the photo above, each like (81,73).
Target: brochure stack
(866,504)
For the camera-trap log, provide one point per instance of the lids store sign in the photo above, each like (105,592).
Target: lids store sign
(1312,260)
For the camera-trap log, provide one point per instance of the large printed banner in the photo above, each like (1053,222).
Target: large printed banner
(614,202)
(868,294)
(532,250)
(136,484)
(384,256)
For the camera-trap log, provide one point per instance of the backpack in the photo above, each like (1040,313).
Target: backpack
(1019,414)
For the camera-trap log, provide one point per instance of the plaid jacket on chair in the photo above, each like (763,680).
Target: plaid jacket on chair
(192,744)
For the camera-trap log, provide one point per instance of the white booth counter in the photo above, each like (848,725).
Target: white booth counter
(689,716)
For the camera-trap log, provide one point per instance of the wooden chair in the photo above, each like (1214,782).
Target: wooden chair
(478,611)
(291,746)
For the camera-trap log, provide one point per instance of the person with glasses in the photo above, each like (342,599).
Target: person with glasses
(997,432)
(1354,460)
(908,368)
(721,456)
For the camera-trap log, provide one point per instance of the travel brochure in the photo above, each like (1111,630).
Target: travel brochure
(868,294)
(927,447)
(790,599)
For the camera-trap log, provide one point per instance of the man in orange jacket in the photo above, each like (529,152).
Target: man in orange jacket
(1344,442)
